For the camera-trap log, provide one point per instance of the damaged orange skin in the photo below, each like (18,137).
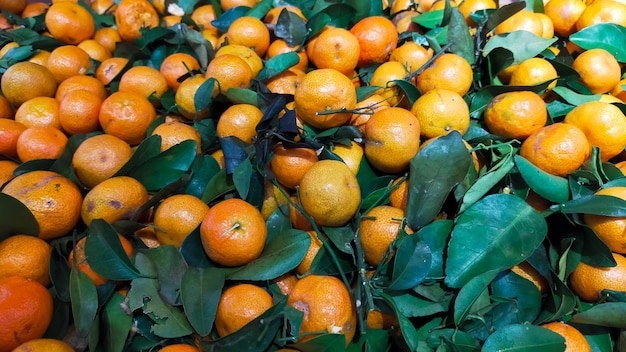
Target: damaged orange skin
(117,198)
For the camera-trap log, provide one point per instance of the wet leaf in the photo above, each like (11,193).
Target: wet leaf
(16,218)
(84,298)
(605,36)
(609,314)
(524,338)
(495,233)
(105,253)
(200,290)
(550,187)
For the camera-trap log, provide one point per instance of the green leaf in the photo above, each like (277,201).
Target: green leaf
(524,338)
(469,293)
(200,290)
(434,171)
(430,19)
(192,251)
(522,299)
(116,323)
(242,96)
(452,339)
(561,301)
(218,185)
(436,235)
(523,44)
(550,187)
(502,14)
(594,204)
(291,28)
(609,314)
(409,89)
(203,99)
(323,343)
(341,237)
(278,64)
(203,168)
(84,299)
(280,255)
(105,253)
(459,38)
(412,263)
(167,167)
(170,267)
(605,36)
(16,218)
(411,305)
(495,233)
(486,182)
(409,333)
(574,98)
(147,149)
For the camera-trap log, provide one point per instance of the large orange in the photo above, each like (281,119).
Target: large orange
(53,199)
(78,259)
(246,54)
(604,125)
(233,232)
(39,112)
(133,15)
(598,69)
(377,37)
(127,115)
(575,341)
(610,229)
(177,216)
(606,11)
(587,281)
(26,256)
(330,193)
(379,228)
(557,149)
(79,112)
(67,61)
(40,143)
(239,120)
(99,157)
(516,115)
(564,14)
(448,71)
(324,97)
(116,198)
(533,71)
(440,111)
(335,48)
(326,304)
(290,164)
(25,311)
(69,22)
(239,305)
(391,139)
(10,131)
(25,80)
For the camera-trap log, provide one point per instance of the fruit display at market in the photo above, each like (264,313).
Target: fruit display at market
(312,175)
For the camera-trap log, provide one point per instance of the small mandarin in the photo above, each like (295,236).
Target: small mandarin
(449,71)
(177,216)
(26,256)
(440,111)
(239,305)
(239,120)
(99,157)
(379,228)
(377,38)
(40,143)
(575,341)
(133,15)
(78,259)
(39,112)
(610,229)
(127,115)
(587,281)
(116,198)
(290,164)
(174,132)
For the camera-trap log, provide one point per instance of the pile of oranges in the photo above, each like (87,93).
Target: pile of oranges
(170,153)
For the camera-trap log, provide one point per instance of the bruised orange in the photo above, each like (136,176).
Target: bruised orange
(116,198)
(133,15)
(99,157)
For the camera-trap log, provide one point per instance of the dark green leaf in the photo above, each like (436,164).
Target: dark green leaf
(412,263)
(430,19)
(203,168)
(16,218)
(609,314)
(105,253)
(459,38)
(341,237)
(486,182)
(524,338)
(410,90)
(594,204)
(84,299)
(203,98)
(291,28)
(147,149)
(277,64)
(469,293)
(411,305)
(573,97)
(520,294)
(550,187)
(282,254)
(242,96)
(452,339)
(605,36)
(193,252)
(242,177)
(167,167)
(170,268)
(561,301)
(200,290)
(523,44)
(116,323)
(223,22)
(436,235)
(409,333)
(323,343)
(220,184)
(495,233)
(434,171)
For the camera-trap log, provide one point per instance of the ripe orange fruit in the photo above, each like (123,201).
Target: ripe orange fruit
(412,55)
(524,20)
(69,22)
(145,80)
(95,50)
(127,115)
(516,115)
(606,11)
(229,71)
(39,112)
(44,345)
(290,164)
(449,71)
(575,341)
(79,111)
(604,125)
(326,304)
(10,131)
(26,80)
(177,65)
(108,37)
(314,247)
(587,281)
(177,216)
(322,91)
(179,347)
(610,229)
(250,32)
(330,193)
(391,139)
(110,68)
(564,14)
(25,256)
(14,6)
(558,149)
(377,37)
(364,109)
(525,270)
(246,54)
(598,69)
(104,7)
(78,259)
(351,154)
(67,61)
(239,305)
(286,282)
(533,71)
(7,167)
(203,16)
(239,120)
(297,219)
(133,15)
(467,7)
(25,311)
(40,143)
(6,110)
(185,98)
(548,27)
(99,157)
(280,46)
(233,232)
(383,77)
(7,47)
(379,227)
(53,199)
(272,15)
(335,48)
(619,91)
(404,21)
(399,193)
(81,82)
(440,111)
(174,132)
(286,82)
(116,198)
